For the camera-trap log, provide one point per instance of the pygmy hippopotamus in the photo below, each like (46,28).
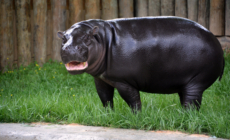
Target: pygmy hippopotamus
(151,54)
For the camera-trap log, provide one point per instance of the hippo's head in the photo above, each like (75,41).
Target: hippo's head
(76,44)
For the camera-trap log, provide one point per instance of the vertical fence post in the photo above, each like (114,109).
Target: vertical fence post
(32,31)
(142,8)
(1,38)
(125,8)
(167,7)
(6,31)
(92,9)
(217,17)
(15,37)
(192,6)
(180,8)
(49,32)
(203,13)
(109,9)
(227,18)
(76,11)
(39,32)
(23,28)
(59,20)
(154,7)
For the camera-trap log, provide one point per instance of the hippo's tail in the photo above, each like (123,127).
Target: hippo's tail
(222,70)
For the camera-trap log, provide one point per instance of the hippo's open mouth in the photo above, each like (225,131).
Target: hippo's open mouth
(75,65)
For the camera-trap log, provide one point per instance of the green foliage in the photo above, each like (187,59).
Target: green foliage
(50,94)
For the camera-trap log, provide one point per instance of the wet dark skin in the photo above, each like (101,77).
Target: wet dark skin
(155,55)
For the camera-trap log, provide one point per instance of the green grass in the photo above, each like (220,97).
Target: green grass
(50,94)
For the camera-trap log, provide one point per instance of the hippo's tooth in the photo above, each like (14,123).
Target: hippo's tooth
(84,63)
(67,64)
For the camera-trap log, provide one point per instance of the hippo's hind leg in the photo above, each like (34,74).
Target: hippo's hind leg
(105,92)
(191,93)
(191,98)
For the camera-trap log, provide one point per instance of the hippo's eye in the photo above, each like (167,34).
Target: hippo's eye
(85,37)
(86,40)
(64,40)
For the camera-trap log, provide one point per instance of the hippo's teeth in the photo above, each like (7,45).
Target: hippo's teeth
(67,64)
(84,63)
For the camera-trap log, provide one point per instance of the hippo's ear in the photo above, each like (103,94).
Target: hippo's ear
(60,34)
(95,30)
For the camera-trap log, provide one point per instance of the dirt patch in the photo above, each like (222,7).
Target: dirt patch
(48,131)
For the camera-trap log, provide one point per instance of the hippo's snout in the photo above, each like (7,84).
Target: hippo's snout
(75,58)
(79,54)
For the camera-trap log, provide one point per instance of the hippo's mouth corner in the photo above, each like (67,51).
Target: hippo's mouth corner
(75,66)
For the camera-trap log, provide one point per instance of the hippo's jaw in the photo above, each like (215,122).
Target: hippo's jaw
(76,66)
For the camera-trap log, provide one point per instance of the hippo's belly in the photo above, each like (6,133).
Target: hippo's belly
(155,72)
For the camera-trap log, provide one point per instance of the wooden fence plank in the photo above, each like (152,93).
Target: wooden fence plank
(142,8)
(67,15)
(7,40)
(109,9)
(125,8)
(39,32)
(227,18)
(203,13)
(49,32)
(32,30)
(154,8)
(23,28)
(181,8)
(59,20)
(167,7)
(1,40)
(192,6)
(92,9)
(217,17)
(15,37)
(76,11)
(1,37)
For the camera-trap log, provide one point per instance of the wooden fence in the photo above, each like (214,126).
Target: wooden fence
(29,27)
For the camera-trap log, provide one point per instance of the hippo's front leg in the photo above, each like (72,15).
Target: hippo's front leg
(130,95)
(105,92)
